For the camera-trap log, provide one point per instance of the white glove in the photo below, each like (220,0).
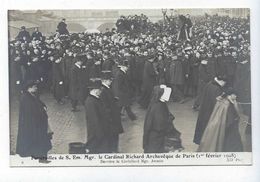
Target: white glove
(61,82)
(17,82)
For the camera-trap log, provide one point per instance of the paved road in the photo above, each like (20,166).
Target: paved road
(71,127)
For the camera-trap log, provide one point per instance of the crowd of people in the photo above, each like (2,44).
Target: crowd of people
(125,65)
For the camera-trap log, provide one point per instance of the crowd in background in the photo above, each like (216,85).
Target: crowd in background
(64,63)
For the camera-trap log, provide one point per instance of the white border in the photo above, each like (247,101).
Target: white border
(187,173)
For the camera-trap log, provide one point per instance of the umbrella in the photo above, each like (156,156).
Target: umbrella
(76,27)
(104,26)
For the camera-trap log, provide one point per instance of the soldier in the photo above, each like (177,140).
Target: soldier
(112,110)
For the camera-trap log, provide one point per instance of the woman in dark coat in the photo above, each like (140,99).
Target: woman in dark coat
(33,139)
(157,123)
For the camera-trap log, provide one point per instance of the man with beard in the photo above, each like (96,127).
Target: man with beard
(112,110)
(34,135)
(210,93)
(97,125)
(149,81)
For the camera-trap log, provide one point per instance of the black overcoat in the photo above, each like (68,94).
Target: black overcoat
(112,111)
(75,90)
(57,78)
(97,128)
(32,138)
(211,91)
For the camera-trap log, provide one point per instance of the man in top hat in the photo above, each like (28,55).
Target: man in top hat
(212,90)
(149,81)
(34,135)
(75,84)
(122,89)
(58,79)
(97,124)
(23,35)
(112,110)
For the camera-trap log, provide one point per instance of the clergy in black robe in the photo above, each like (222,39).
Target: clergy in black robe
(33,139)
(211,91)
(97,125)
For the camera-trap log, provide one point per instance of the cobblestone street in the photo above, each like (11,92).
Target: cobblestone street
(71,127)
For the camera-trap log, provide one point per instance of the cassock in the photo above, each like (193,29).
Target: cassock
(32,139)
(210,93)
